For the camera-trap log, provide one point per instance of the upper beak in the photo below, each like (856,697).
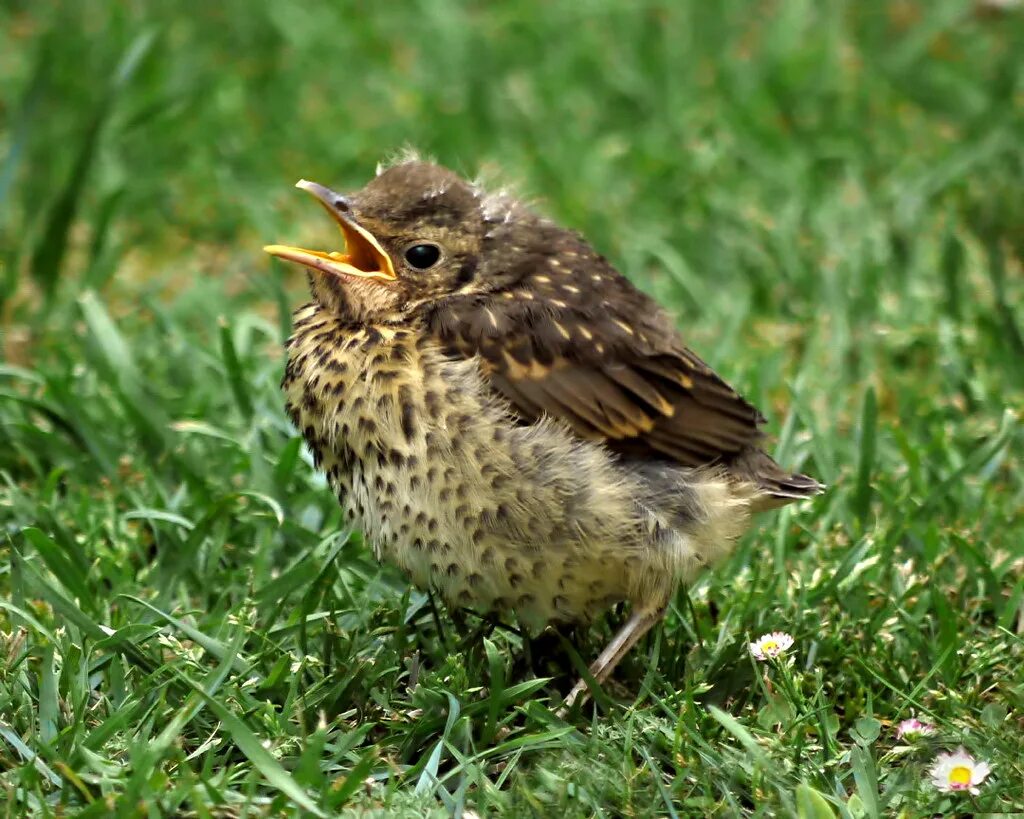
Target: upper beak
(363,256)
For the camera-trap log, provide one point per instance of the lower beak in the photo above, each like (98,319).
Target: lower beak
(363,257)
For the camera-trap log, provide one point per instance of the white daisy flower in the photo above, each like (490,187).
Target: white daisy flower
(770,646)
(958,771)
(913,728)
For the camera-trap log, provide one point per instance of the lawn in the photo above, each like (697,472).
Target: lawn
(829,196)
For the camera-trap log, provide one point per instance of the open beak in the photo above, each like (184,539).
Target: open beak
(363,257)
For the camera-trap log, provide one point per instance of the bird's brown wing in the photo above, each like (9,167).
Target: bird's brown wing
(615,369)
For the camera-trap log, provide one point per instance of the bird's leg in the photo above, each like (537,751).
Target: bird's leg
(437,619)
(484,628)
(638,624)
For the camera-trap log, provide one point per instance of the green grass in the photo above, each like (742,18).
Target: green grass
(829,196)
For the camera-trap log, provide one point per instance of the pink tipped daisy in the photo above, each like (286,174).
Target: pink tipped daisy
(914,729)
(770,646)
(958,771)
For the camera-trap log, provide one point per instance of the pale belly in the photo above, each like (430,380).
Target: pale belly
(471,547)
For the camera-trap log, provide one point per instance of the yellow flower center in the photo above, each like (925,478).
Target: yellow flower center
(769,645)
(960,777)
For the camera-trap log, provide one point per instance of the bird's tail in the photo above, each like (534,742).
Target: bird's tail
(778,487)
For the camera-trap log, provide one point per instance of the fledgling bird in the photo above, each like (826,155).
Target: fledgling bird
(507,418)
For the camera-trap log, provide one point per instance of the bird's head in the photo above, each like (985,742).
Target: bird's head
(416,234)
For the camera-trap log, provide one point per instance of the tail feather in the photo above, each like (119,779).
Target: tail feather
(778,486)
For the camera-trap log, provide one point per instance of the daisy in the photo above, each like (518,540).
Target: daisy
(914,729)
(958,771)
(770,646)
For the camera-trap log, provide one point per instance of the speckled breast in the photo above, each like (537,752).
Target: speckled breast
(443,482)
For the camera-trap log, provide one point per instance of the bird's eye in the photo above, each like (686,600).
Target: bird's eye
(423,256)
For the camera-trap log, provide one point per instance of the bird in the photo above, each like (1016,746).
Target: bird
(507,418)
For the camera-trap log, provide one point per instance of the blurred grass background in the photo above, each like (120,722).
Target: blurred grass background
(828,195)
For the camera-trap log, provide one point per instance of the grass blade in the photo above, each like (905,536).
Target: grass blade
(252,746)
(236,378)
(866,455)
(732,725)
(63,568)
(48,256)
(215,647)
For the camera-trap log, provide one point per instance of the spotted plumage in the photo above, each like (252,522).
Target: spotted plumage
(506,417)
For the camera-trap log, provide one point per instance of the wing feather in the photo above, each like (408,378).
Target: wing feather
(616,371)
